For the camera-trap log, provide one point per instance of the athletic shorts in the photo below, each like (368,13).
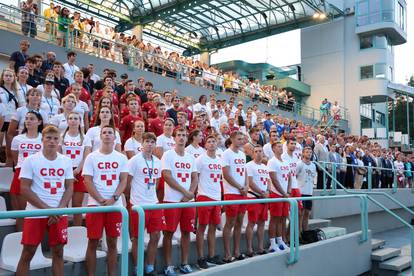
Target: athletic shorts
(236,209)
(278,209)
(257,212)
(183,216)
(34,230)
(15,185)
(208,215)
(154,221)
(79,184)
(296,193)
(97,222)
(307,204)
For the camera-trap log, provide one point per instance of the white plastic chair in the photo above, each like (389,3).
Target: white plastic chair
(3,207)
(6,177)
(75,249)
(118,243)
(12,249)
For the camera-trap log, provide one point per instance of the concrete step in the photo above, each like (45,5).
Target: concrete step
(384,254)
(318,223)
(332,232)
(396,264)
(376,243)
(407,272)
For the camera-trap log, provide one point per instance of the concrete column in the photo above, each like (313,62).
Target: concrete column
(138,31)
(205,58)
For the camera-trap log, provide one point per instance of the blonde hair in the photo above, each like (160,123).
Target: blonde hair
(14,83)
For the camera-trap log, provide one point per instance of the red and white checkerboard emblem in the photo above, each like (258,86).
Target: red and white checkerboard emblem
(215,177)
(285,176)
(240,171)
(265,180)
(108,178)
(52,186)
(72,153)
(183,176)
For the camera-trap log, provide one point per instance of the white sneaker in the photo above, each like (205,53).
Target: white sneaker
(282,246)
(275,249)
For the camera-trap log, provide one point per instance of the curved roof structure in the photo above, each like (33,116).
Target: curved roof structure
(210,24)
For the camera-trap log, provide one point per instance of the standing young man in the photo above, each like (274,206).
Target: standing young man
(144,174)
(259,184)
(209,189)
(180,174)
(105,174)
(235,188)
(70,67)
(279,172)
(46,182)
(306,172)
(291,158)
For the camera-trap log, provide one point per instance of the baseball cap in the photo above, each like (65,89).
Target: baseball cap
(49,80)
(124,76)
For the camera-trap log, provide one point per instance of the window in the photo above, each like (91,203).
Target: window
(367,72)
(379,117)
(366,42)
(380,71)
(373,41)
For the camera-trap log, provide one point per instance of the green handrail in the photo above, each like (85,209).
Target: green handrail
(82,210)
(389,211)
(293,216)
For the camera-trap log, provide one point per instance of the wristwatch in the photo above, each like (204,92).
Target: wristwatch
(115,197)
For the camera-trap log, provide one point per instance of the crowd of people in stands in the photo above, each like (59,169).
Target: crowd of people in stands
(91,36)
(69,131)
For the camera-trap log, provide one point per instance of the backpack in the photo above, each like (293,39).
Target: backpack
(311,236)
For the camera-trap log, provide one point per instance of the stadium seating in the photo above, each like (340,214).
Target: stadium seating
(12,249)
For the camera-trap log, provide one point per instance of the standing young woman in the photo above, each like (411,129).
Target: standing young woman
(133,145)
(22,77)
(104,102)
(74,146)
(105,118)
(194,139)
(22,146)
(61,120)
(11,99)
(81,107)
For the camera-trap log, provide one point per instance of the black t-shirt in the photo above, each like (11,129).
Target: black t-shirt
(88,86)
(142,95)
(34,80)
(99,85)
(172,113)
(120,89)
(19,59)
(61,85)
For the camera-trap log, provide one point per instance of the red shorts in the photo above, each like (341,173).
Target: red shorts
(278,209)
(79,184)
(296,193)
(208,215)
(183,216)
(234,210)
(257,212)
(154,221)
(96,222)
(34,230)
(15,185)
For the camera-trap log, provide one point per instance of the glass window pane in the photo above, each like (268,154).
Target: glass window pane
(380,71)
(366,42)
(367,72)
(363,7)
(374,6)
(381,42)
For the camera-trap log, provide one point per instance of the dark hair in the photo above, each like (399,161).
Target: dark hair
(71,53)
(39,117)
(179,129)
(98,119)
(86,72)
(108,126)
(192,135)
(149,136)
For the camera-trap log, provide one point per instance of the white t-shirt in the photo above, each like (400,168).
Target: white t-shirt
(260,174)
(60,121)
(9,104)
(105,170)
(267,150)
(74,148)
(23,89)
(237,164)
(306,174)
(81,108)
(50,106)
(181,168)
(26,147)
(198,107)
(48,177)
(194,152)
(219,153)
(293,163)
(398,165)
(94,135)
(143,189)
(164,142)
(133,145)
(70,72)
(20,116)
(282,170)
(209,176)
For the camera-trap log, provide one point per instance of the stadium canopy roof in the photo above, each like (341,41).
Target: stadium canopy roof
(210,24)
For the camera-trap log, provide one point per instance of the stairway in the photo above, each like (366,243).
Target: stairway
(388,261)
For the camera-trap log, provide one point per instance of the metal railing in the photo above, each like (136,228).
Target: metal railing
(293,217)
(144,60)
(82,210)
(369,195)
